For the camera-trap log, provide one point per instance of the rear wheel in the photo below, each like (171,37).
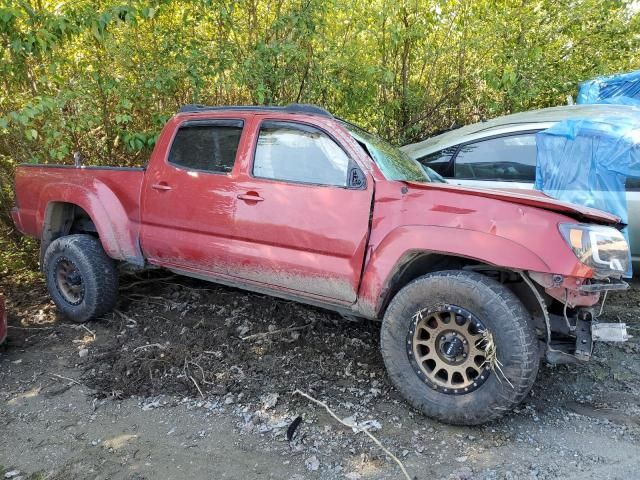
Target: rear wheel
(81,278)
(459,346)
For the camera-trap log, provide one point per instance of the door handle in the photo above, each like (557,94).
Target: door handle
(250,197)
(162,186)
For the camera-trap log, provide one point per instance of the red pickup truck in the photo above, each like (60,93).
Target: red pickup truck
(473,287)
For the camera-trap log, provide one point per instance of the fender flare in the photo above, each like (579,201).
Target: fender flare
(117,233)
(388,256)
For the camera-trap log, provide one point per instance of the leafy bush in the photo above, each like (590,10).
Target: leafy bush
(102,76)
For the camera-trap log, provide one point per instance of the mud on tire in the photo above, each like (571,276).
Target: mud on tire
(81,278)
(501,313)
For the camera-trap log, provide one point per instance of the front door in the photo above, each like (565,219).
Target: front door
(302,214)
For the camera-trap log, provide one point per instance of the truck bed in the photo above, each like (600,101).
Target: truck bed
(115,189)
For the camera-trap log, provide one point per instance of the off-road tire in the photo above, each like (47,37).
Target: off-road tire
(503,315)
(98,271)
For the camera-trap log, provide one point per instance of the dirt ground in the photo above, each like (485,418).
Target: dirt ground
(192,380)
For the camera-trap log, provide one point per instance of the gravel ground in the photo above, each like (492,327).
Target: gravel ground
(192,380)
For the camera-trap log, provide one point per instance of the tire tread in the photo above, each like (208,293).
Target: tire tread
(99,272)
(501,299)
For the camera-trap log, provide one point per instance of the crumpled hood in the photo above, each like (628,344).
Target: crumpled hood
(532,198)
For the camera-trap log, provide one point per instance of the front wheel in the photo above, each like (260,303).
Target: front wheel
(459,346)
(82,279)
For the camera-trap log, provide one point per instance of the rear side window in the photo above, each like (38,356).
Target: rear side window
(439,161)
(633,184)
(299,153)
(209,146)
(511,159)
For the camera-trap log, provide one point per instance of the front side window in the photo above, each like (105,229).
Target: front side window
(439,161)
(209,146)
(511,158)
(299,153)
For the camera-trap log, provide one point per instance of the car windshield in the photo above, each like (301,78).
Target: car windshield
(394,163)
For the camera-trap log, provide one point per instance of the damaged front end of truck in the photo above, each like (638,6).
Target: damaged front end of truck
(572,306)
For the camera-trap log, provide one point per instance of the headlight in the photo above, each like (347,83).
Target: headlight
(602,248)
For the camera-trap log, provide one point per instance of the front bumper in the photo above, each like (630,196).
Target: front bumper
(597,286)
(576,291)
(573,328)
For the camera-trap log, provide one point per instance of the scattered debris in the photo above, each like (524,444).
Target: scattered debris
(131,323)
(465,473)
(276,332)
(270,400)
(293,427)
(197,386)
(93,334)
(491,356)
(151,345)
(312,463)
(150,405)
(360,429)
(72,380)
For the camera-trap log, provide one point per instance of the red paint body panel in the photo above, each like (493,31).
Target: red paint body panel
(335,245)
(533,198)
(496,232)
(111,197)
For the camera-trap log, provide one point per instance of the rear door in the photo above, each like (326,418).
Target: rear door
(189,196)
(302,213)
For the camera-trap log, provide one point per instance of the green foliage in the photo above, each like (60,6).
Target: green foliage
(17,253)
(102,76)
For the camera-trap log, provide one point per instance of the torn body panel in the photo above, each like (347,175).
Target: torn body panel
(570,335)
(487,231)
(566,289)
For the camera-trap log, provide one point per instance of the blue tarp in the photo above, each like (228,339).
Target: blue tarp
(587,161)
(623,88)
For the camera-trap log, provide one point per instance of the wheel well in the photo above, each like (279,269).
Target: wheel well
(62,219)
(416,264)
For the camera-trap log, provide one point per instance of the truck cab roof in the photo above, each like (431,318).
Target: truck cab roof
(299,108)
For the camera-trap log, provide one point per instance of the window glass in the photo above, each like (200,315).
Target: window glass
(206,146)
(439,161)
(511,158)
(632,184)
(393,162)
(299,153)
